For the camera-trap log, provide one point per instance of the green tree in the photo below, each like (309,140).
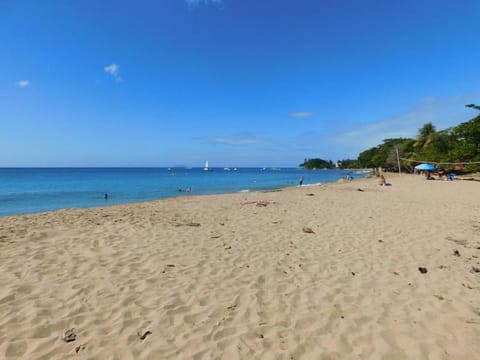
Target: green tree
(425,136)
(473,106)
(457,144)
(317,164)
(348,164)
(384,155)
(466,138)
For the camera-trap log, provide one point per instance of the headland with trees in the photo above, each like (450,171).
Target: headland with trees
(455,148)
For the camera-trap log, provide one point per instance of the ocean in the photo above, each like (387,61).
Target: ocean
(33,190)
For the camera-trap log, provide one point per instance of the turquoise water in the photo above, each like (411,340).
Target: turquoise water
(32,190)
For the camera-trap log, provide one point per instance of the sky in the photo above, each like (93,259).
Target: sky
(237,82)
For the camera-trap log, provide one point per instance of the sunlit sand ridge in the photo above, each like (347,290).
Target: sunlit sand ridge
(319,272)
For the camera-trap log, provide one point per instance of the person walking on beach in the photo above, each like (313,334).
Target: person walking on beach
(300,182)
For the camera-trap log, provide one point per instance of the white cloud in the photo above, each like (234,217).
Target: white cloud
(23,83)
(193,3)
(442,112)
(301,115)
(114,70)
(236,140)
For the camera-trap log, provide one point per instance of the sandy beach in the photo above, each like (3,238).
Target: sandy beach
(317,272)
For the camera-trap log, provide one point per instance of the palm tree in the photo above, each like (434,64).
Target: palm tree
(473,106)
(425,136)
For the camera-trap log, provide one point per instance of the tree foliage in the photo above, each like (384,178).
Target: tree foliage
(348,164)
(459,144)
(473,106)
(385,155)
(453,145)
(317,164)
(425,136)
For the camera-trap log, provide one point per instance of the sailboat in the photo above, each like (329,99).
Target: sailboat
(206,168)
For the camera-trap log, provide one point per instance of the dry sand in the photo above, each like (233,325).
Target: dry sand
(320,272)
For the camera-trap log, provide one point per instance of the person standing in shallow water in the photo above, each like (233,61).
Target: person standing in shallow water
(300,182)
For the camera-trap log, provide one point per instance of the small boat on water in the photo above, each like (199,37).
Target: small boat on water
(206,167)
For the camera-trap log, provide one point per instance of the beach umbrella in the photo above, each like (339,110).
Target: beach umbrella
(428,167)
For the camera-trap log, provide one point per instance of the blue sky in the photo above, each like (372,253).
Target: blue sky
(237,82)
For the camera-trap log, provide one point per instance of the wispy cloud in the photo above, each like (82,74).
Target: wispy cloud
(114,70)
(193,3)
(236,140)
(23,83)
(442,112)
(301,115)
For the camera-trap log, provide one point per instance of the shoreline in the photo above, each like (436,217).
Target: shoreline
(183,195)
(58,189)
(304,272)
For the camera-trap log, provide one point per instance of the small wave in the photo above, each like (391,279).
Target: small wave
(244,191)
(315,184)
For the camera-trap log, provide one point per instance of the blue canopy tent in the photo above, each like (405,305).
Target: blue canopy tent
(425,166)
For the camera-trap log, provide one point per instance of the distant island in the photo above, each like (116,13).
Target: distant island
(312,164)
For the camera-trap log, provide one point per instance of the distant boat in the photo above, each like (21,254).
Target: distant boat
(206,168)
(226,168)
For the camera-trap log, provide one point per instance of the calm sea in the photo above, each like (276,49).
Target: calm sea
(31,190)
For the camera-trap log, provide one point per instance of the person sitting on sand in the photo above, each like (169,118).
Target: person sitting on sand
(381,180)
(442,175)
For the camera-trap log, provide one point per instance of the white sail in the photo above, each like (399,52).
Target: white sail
(206,168)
